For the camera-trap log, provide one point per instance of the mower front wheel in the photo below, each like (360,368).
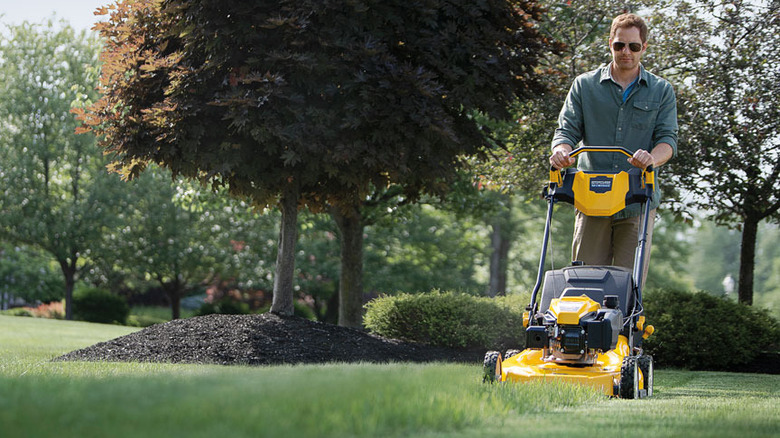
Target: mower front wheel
(491,367)
(629,378)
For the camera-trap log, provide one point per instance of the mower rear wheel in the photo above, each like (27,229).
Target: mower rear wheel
(645,363)
(491,367)
(629,378)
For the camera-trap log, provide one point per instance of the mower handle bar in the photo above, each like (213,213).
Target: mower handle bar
(555,174)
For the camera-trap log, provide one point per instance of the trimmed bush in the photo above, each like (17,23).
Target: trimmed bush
(700,331)
(18,311)
(225,306)
(448,319)
(99,305)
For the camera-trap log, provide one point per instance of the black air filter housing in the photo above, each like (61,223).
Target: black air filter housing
(592,281)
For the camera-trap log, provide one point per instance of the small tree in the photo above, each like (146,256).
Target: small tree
(730,120)
(309,103)
(54,192)
(180,237)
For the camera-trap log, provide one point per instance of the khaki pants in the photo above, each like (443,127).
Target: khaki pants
(604,241)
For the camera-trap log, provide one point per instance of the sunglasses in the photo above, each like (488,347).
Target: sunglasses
(619,45)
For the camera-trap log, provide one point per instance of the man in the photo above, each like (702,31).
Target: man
(620,104)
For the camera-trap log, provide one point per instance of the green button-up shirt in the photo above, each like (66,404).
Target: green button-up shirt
(595,114)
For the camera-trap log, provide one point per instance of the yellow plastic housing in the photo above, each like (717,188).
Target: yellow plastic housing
(606,202)
(604,374)
(569,310)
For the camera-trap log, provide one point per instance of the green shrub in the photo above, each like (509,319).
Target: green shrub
(303,311)
(226,306)
(144,320)
(99,305)
(17,311)
(701,331)
(448,319)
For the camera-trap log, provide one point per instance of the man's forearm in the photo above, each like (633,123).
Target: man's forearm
(662,152)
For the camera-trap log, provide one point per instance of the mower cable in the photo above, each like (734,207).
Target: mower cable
(636,311)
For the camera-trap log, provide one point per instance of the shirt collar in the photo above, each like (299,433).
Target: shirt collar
(606,73)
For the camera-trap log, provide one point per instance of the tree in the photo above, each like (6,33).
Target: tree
(54,192)
(309,103)
(421,247)
(28,273)
(179,236)
(730,120)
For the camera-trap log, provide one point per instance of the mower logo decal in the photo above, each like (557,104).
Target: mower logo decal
(601,184)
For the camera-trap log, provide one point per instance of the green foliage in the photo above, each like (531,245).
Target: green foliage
(304,311)
(226,306)
(702,331)
(421,248)
(178,234)
(99,305)
(448,319)
(55,194)
(29,273)
(730,157)
(17,311)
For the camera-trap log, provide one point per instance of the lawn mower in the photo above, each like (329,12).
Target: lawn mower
(587,325)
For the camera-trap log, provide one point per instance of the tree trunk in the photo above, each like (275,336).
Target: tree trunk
(174,294)
(69,272)
(747,260)
(499,257)
(282,302)
(500,241)
(351,279)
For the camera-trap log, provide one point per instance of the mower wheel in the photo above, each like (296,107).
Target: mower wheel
(491,368)
(645,363)
(629,378)
(510,353)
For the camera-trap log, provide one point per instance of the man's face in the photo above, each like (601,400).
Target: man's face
(625,58)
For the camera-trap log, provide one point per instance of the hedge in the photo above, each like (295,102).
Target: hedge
(700,331)
(449,319)
(99,305)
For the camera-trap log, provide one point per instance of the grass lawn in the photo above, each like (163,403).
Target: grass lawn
(39,398)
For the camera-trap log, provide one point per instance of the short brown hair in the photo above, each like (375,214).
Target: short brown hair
(625,21)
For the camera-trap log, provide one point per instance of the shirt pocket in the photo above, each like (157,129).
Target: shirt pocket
(644,115)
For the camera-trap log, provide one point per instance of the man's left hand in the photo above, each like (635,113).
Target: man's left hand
(642,159)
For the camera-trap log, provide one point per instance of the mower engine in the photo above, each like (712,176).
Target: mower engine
(576,328)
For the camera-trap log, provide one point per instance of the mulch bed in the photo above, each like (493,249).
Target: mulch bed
(266,339)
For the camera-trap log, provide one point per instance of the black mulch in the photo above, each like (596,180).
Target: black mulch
(265,339)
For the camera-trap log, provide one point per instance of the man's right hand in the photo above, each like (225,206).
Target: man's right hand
(560,157)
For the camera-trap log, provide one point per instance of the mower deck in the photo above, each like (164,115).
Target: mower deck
(604,374)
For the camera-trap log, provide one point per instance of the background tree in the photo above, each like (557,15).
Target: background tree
(730,121)
(54,192)
(179,237)
(308,102)
(27,273)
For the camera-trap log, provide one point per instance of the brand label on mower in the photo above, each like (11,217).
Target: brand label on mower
(600,184)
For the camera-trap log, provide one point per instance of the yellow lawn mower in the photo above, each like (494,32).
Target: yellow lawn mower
(587,325)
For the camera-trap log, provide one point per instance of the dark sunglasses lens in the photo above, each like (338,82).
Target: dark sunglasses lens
(634,47)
